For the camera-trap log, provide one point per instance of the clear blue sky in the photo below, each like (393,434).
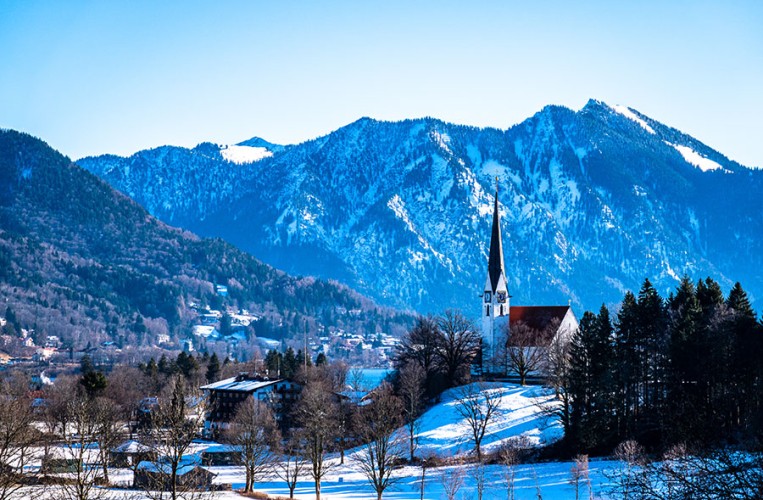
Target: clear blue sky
(108,76)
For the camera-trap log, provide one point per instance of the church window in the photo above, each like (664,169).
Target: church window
(487,310)
(501,309)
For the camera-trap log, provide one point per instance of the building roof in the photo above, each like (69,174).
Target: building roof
(537,317)
(495,258)
(131,446)
(241,383)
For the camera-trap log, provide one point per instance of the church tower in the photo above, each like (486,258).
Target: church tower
(495,297)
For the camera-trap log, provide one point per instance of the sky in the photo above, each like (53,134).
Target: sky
(117,77)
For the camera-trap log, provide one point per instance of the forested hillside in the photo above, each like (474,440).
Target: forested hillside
(84,262)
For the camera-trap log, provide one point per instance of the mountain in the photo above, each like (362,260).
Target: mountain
(81,261)
(592,202)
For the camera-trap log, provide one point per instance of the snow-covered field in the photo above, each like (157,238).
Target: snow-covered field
(443,432)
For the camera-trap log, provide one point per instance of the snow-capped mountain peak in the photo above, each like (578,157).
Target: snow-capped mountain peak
(592,202)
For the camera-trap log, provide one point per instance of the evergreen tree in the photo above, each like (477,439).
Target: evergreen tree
(592,383)
(290,364)
(273,363)
(86,364)
(746,357)
(226,328)
(186,364)
(213,368)
(687,351)
(653,340)
(321,360)
(628,363)
(165,366)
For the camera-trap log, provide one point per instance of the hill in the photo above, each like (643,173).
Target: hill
(83,262)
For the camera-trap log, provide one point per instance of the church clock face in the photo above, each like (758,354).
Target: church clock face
(487,296)
(501,296)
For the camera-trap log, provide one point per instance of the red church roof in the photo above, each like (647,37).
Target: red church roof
(537,317)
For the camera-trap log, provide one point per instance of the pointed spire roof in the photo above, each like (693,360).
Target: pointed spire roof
(495,259)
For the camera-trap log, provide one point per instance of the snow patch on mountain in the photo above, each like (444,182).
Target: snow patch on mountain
(244,154)
(696,159)
(626,112)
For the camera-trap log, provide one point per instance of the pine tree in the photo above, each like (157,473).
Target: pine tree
(687,350)
(653,340)
(628,368)
(591,382)
(213,368)
(746,356)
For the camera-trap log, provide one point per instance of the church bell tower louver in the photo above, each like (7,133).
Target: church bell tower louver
(495,297)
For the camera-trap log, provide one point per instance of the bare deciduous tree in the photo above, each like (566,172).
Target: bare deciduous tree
(17,436)
(412,378)
(376,425)
(255,432)
(79,450)
(292,465)
(316,414)
(477,403)
(459,344)
(579,475)
(174,423)
(525,351)
(558,379)
(478,475)
(452,481)
(107,430)
(509,457)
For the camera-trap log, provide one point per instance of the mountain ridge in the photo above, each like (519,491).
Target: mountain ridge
(593,201)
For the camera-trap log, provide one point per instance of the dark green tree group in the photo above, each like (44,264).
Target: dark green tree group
(681,370)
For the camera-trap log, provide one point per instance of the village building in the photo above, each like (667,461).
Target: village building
(500,318)
(224,397)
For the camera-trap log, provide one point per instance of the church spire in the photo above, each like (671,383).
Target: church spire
(495,259)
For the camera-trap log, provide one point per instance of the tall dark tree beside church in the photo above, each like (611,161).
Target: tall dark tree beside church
(591,383)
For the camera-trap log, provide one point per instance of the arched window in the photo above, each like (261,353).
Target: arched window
(487,310)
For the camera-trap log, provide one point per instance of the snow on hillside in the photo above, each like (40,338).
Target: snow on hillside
(694,158)
(244,154)
(520,413)
(626,112)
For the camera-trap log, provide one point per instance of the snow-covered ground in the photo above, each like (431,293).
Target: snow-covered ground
(522,412)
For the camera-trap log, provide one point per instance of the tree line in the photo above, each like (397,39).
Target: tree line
(682,370)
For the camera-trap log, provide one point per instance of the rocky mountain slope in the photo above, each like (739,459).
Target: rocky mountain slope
(592,202)
(86,263)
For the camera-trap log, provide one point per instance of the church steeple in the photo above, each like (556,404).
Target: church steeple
(496,307)
(495,258)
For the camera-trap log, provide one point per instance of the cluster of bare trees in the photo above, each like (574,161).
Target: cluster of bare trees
(444,348)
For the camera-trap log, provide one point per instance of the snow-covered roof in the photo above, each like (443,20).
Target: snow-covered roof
(222,448)
(240,383)
(131,446)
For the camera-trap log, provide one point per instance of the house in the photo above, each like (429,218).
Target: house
(221,454)
(225,396)
(130,453)
(156,475)
(499,318)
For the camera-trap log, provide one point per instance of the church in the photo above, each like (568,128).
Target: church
(500,318)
